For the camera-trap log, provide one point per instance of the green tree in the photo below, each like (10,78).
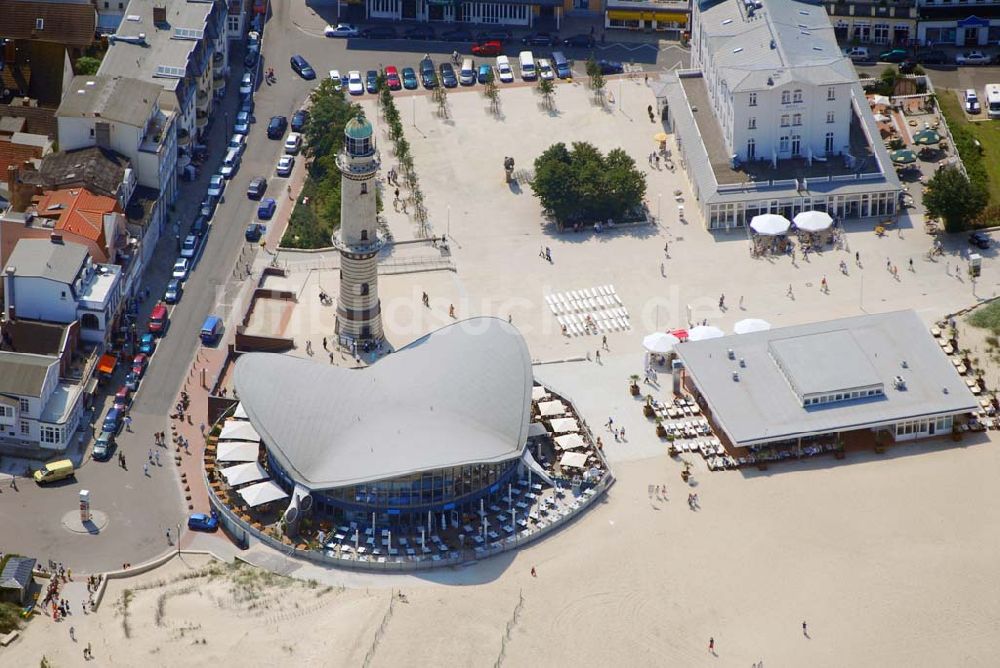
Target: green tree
(953,198)
(887,81)
(324,132)
(596,79)
(548,91)
(87,65)
(492,93)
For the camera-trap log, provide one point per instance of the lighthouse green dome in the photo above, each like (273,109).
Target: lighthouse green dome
(358,128)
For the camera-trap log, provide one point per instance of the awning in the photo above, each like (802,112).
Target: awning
(238,452)
(239,430)
(574,459)
(564,425)
(552,408)
(619,15)
(261,493)
(241,474)
(91,386)
(569,442)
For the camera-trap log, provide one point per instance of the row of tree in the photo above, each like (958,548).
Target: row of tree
(401,148)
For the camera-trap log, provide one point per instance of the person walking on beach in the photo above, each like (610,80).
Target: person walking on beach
(534,574)
(711,645)
(145,469)
(72,633)
(805,630)
(604,342)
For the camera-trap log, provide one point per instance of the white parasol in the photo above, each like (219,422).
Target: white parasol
(659,342)
(770,224)
(703,332)
(813,221)
(751,325)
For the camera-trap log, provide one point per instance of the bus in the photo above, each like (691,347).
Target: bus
(993,100)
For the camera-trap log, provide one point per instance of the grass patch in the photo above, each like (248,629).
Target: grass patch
(986,317)
(308,227)
(10,617)
(988,134)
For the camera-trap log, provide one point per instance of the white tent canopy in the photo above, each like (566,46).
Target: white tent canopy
(238,430)
(538,393)
(240,413)
(751,325)
(813,221)
(770,224)
(703,332)
(564,425)
(569,442)
(552,408)
(238,452)
(881,100)
(659,342)
(574,459)
(241,474)
(262,492)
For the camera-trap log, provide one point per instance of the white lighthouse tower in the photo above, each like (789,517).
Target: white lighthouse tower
(359,313)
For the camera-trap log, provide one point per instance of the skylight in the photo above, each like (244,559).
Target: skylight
(168,72)
(188,33)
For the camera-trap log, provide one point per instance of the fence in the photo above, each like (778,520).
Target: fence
(379,632)
(511,623)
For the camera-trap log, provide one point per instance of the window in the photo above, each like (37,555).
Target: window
(51,434)
(829,117)
(752,123)
(39,24)
(7,411)
(828,146)
(107,4)
(751,149)
(25,428)
(784,121)
(797,119)
(364,188)
(753,99)
(364,288)
(783,145)
(797,96)
(364,235)
(831,93)
(786,97)
(25,406)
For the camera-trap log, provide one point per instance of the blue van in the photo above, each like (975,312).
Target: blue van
(561,65)
(211,330)
(112,421)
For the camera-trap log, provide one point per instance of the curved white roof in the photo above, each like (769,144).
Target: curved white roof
(460,395)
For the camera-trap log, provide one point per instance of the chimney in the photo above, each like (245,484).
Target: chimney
(56,238)
(159,15)
(20,193)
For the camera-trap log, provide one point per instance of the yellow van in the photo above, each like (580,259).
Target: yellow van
(54,471)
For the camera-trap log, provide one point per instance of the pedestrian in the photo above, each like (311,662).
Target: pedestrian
(649,158)
(598,355)
(157,453)
(656,160)
(947,268)
(186,451)
(451,310)
(666,245)
(888,264)
(663,270)
(857,258)
(534,573)
(145,469)
(151,455)
(911,264)
(805,630)
(741,301)
(324,344)
(711,645)
(604,342)
(510,318)
(611,422)
(124,466)
(72,633)
(623,434)
(331,358)
(895,271)
(396,194)
(722,301)
(90,652)
(823,285)
(128,423)
(13,482)
(789,293)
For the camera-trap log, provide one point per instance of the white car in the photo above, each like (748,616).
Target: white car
(246,84)
(341,30)
(190,246)
(285,165)
(504,70)
(216,184)
(972,101)
(355,86)
(545,69)
(857,53)
(237,141)
(972,58)
(293,142)
(180,271)
(335,78)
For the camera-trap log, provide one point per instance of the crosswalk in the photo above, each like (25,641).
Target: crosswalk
(596,310)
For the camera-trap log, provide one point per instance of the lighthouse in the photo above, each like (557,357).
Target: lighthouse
(359,313)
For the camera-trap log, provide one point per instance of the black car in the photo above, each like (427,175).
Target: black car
(199,226)
(302,68)
(932,57)
(610,67)
(253,53)
(448,78)
(419,32)
(257,188)
(581,40)
(254,232)
(379,32)
(299,119)
(371,81)
(907,67)
(980,240)
(495,36)
(457,35)
(276,127)
(540,39)
(428,76)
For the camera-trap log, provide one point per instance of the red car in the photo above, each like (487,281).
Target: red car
(392,78)
(123,398)
(139,363)
(492,48)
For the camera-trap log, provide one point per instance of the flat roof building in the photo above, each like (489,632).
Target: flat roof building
(879,372)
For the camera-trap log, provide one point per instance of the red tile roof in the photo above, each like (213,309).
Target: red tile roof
(78,211)
(15,154)
(72,23)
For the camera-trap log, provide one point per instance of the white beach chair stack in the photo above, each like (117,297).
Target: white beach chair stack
(601,304)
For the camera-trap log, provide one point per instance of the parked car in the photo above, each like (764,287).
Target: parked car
(246,83)
(448,78)
(908,67)
(545,69)
(491,48)
(302,67)
(199,226)
(457,35)
(428,75)
(285,165)
(242,124)
(207,209)
(172,295)
(113,420)
(211,330)
(610,67)
(216,185)
(257,187)
(293,143)
(581,41)
(189,246)
(276,127)
(139,364)
(392,78)
(159,320)
(371,81)
(341,30)
(379,32)
(504,70)
(132,381)
(203,522)
(103,446)
(410,79)
(419,32)
(858,53)
(181,269)
(266,208)
(299,119)
(147,344)
(237,142)
(972,101)
(485,73)
(123,398)
(980,240)
(467,73)
(253,53)
(254,232)
(972,58)
(540,39)
(495,36)
(894,55)
(337,81)
(354,85)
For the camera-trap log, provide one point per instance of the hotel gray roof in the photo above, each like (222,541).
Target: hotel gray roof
(43,258)
(23,374)
(460,395)
(761,406)
(842,366)
(121,99)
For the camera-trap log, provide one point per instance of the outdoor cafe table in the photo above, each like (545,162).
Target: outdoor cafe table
(508,528)
(339,536)
(493,534)
(442,547)
(370,540)
(362,549)
(522,505)
(495,508)
(515,492)
(410,551)
(537,487)
(425,549)
(502,517)
(523,523)
(404,542)
(468,528)
(531,495)
(393,552)
(479,540)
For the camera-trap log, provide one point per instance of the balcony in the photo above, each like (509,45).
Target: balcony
(183,137)
(201,120)
(218,62)
(202,100)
